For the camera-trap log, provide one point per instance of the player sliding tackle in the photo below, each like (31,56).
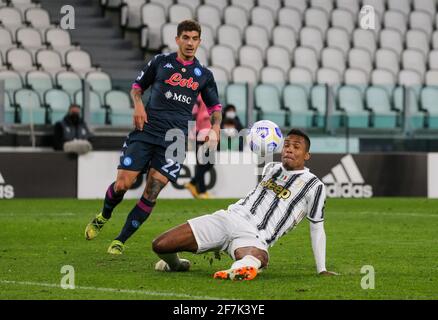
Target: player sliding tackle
(176,80)
(287,193)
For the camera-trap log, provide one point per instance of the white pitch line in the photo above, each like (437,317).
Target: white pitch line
(405,214)
(39,214)
(140,292)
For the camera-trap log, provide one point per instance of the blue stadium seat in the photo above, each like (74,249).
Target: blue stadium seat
(31,110)
(58,101)
(416,117)
(267,98)
(120,106)
(352,102)
(383,116)
(10,111)
(237,95)
(97,112)
(295,98)
(429,98)
(319,102)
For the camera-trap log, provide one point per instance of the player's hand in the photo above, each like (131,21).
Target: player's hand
(328,273)
(139,118)
(212,138)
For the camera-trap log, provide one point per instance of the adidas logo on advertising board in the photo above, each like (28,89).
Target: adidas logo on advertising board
(346,181)
(6,191)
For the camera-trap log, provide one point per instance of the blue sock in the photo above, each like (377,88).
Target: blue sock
(135,218)
(112,199)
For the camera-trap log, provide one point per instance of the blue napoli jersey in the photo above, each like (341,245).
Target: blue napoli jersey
(175,86)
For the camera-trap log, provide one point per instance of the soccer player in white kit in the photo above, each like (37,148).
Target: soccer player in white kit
(287,193)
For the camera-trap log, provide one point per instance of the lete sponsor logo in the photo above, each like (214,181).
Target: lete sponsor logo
(177,79)
(346,181)
(6,191)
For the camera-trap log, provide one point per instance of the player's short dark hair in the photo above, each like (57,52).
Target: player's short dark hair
(188,25)
(300,133)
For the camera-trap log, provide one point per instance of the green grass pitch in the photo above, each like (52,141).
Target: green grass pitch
(398,237)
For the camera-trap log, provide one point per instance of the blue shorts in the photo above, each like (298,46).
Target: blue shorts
(140,155)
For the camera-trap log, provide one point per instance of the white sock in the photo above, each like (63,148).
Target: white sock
(172,260)
(247,261)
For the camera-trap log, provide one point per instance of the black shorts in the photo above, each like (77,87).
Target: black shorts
(139,155)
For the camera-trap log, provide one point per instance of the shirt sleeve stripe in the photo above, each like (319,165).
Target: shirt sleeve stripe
(212,109)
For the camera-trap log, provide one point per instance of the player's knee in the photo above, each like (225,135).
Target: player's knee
(159,245)
(122,184)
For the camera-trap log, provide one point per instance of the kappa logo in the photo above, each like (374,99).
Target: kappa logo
(6,191)
(140,76)
(168,66)
(346,181)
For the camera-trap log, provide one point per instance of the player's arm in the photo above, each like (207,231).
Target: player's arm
(216,120)
(142,83)
(317,233)
(210,97)
(140,116)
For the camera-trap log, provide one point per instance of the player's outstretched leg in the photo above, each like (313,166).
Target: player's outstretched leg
(134,220)
(142,210)
(167,245)
(246,267)
(113,196)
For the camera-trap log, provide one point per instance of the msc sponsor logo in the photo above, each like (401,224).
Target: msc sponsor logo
(177,79)
(279,190)
(178,97)
(6,191)
(346,181)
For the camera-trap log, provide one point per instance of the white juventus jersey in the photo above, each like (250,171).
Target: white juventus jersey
(281,200)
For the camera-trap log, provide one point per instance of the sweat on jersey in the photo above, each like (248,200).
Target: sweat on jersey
(175,85)
(281,200)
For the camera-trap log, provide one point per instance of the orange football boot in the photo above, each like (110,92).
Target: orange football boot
(243,273)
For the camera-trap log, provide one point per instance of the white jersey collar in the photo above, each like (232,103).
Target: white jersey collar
(295,171)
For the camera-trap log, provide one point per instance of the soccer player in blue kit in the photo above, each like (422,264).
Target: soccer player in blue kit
(176,79)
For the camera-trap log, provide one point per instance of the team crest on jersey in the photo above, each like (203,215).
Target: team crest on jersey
(177,79)
(197,72)
(280,191)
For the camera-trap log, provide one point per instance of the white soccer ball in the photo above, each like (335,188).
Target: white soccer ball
(264,138)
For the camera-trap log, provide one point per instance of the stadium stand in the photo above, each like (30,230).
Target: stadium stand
(310,58)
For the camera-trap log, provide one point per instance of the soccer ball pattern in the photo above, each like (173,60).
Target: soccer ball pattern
(264,138)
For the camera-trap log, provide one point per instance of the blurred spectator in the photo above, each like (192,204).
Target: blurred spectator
(230,113)
(230,139)
(203,124)
(71,133)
